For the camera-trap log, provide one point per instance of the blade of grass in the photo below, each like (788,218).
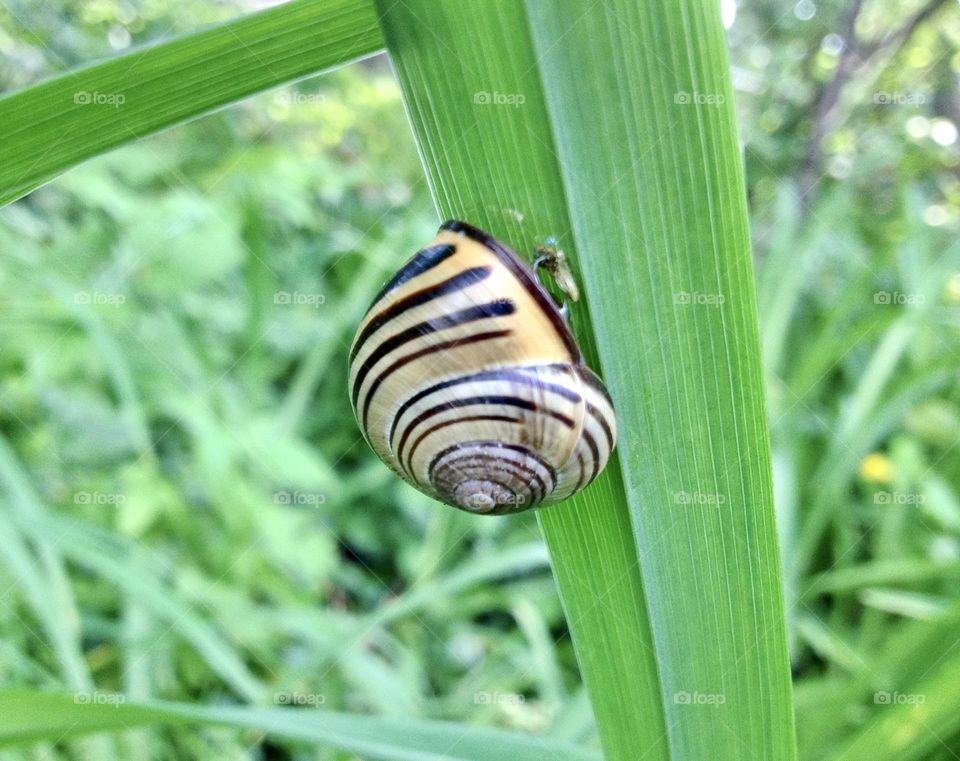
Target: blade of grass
(57,124)
(496,167)
(27,716)
(115,560)
(141,576)
(561,119)
(41,574)
(915,696)
(908,604)
(830,646)
(840,461)
(491,567)
(882,572)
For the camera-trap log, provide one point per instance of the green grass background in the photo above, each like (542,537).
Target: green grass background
(190,513)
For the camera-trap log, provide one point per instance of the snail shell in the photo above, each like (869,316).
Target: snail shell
(467,382)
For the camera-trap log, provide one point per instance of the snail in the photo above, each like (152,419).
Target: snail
(467,382)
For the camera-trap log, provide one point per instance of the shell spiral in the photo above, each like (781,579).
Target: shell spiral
(467,382)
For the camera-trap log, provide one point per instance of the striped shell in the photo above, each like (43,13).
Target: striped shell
(467,382)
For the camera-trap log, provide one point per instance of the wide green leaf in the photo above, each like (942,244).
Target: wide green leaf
(64,121)
(610,126)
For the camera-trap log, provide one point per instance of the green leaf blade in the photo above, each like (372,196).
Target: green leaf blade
(64,121)
(558,120)
(28,716)
(669,247)
(461,130)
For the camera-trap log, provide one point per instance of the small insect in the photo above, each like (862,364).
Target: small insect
(467,382)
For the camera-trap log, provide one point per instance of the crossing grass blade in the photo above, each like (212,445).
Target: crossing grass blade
(30,716)
(55,125)
(610,126)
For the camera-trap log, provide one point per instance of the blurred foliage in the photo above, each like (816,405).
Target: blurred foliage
(190,512)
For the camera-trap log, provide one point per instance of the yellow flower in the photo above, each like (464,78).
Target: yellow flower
(953,289)
(876,468)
